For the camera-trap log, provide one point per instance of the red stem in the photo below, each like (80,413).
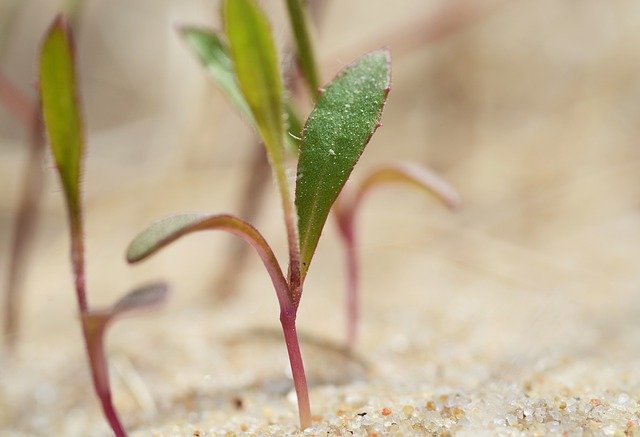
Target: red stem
(344,212)
(25,222)
(16,102)
(353,287)
(77,261)
(93,344)
(288,321)
(100,376)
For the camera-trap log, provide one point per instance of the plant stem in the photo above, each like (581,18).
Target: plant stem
(288,321)
(25,221)
(77,261)
(16,102)
(353,285)
(344,213)
(94,342)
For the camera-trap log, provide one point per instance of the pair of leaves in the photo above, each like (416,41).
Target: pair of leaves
(341,124)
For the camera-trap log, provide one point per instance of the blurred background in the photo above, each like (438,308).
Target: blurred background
(530,108)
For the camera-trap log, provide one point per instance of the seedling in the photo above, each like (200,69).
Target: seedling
(27,111)
(212,51)
(63,123)
(350,201)
(342,122)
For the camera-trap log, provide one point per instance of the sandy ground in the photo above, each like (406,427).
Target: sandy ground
(520,315)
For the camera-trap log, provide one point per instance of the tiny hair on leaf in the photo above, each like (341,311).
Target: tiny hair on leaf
(340,126)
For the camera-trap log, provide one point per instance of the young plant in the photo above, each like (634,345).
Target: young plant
(28,111)
(63,123)
(350,202)
(342,122)
(212,52)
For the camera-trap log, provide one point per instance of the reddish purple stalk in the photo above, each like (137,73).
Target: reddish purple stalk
(25,222)
(93,340)
(288,322)
(345,216)
(345,211)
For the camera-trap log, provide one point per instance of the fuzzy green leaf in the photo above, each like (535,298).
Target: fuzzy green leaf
(213,53)
(335,135)
(256,65)
(306,58)
(61,108)
(142,298)
(165,231)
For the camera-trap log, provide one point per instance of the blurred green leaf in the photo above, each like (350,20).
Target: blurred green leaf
(306,58)
(256,64)
(336,133)
(61,108)
(213,53)
(142,298)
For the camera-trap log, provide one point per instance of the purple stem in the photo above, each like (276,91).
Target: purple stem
(93,344)
(25,222)
(288,321)
(353,287)
(100,375)
(344,213)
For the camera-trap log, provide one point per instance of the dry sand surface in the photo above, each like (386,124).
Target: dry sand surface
(520,315)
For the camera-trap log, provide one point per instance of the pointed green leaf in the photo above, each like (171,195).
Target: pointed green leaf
(165,231)
(61,108)
(213,53)
(337,131)
(412,175)
(306,58)
(256,64)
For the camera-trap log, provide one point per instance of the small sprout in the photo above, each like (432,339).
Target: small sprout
(349,203)
(329,127)
(61,109)
(28,111)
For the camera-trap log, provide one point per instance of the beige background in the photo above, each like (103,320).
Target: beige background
(531,293)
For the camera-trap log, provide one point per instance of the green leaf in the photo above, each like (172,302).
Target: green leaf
(306,58)
(213,53)
(256,64)
(165,231)
(413,175)
(142,298)
(336,133)
(61,108)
